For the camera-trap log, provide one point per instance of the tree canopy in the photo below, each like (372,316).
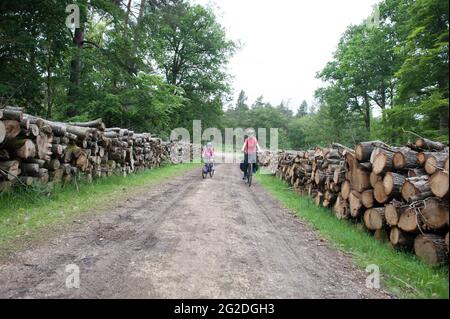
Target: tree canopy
(144,64)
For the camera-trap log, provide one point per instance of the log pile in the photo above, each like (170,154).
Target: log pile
(181,152)
(34,149)
(400,194)
(269,161)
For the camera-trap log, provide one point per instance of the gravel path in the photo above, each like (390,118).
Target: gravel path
(188,238)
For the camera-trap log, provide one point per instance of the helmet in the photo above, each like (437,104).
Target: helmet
(250,132)
(209,145)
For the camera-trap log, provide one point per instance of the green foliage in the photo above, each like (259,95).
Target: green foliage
(191,49)
(398,69)
(153,72)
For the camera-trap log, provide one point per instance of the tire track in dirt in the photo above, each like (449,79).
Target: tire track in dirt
(189,238)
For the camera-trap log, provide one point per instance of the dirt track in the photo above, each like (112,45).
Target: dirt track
(188,238)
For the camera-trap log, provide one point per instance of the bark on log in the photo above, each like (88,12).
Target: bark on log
(12,114)
(431,249)
(363,150)
(416,172)
(446,242)
(405,159)
(98,124)
(426,144)
(414,187)
(422,157)
(30,169)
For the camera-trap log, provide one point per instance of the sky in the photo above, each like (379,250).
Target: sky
(284,43)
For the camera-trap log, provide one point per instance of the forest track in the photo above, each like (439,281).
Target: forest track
(189,238)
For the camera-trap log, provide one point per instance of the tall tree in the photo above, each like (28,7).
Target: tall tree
(191,49)
(302,110)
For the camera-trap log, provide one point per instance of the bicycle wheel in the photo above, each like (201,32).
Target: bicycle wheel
(250,174)
(203,173)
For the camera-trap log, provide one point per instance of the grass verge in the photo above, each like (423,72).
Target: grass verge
(403,274)
(26,212)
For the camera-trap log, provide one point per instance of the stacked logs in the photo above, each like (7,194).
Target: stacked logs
(318,173)
(269,161)
(33,149)
(400,194)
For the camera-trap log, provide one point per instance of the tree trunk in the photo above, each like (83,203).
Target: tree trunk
(75,73)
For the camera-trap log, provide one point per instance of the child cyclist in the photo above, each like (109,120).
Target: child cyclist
(208,155)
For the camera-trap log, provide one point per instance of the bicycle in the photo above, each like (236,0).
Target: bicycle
(208,169)
(249,174)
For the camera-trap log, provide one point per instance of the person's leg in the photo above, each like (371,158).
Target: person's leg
(245,165)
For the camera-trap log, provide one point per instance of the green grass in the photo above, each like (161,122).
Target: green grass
(26,212)
(403,274)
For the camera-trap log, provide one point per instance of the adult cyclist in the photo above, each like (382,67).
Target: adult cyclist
(250,148)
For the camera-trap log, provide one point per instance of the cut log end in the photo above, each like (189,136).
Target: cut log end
(431,249)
